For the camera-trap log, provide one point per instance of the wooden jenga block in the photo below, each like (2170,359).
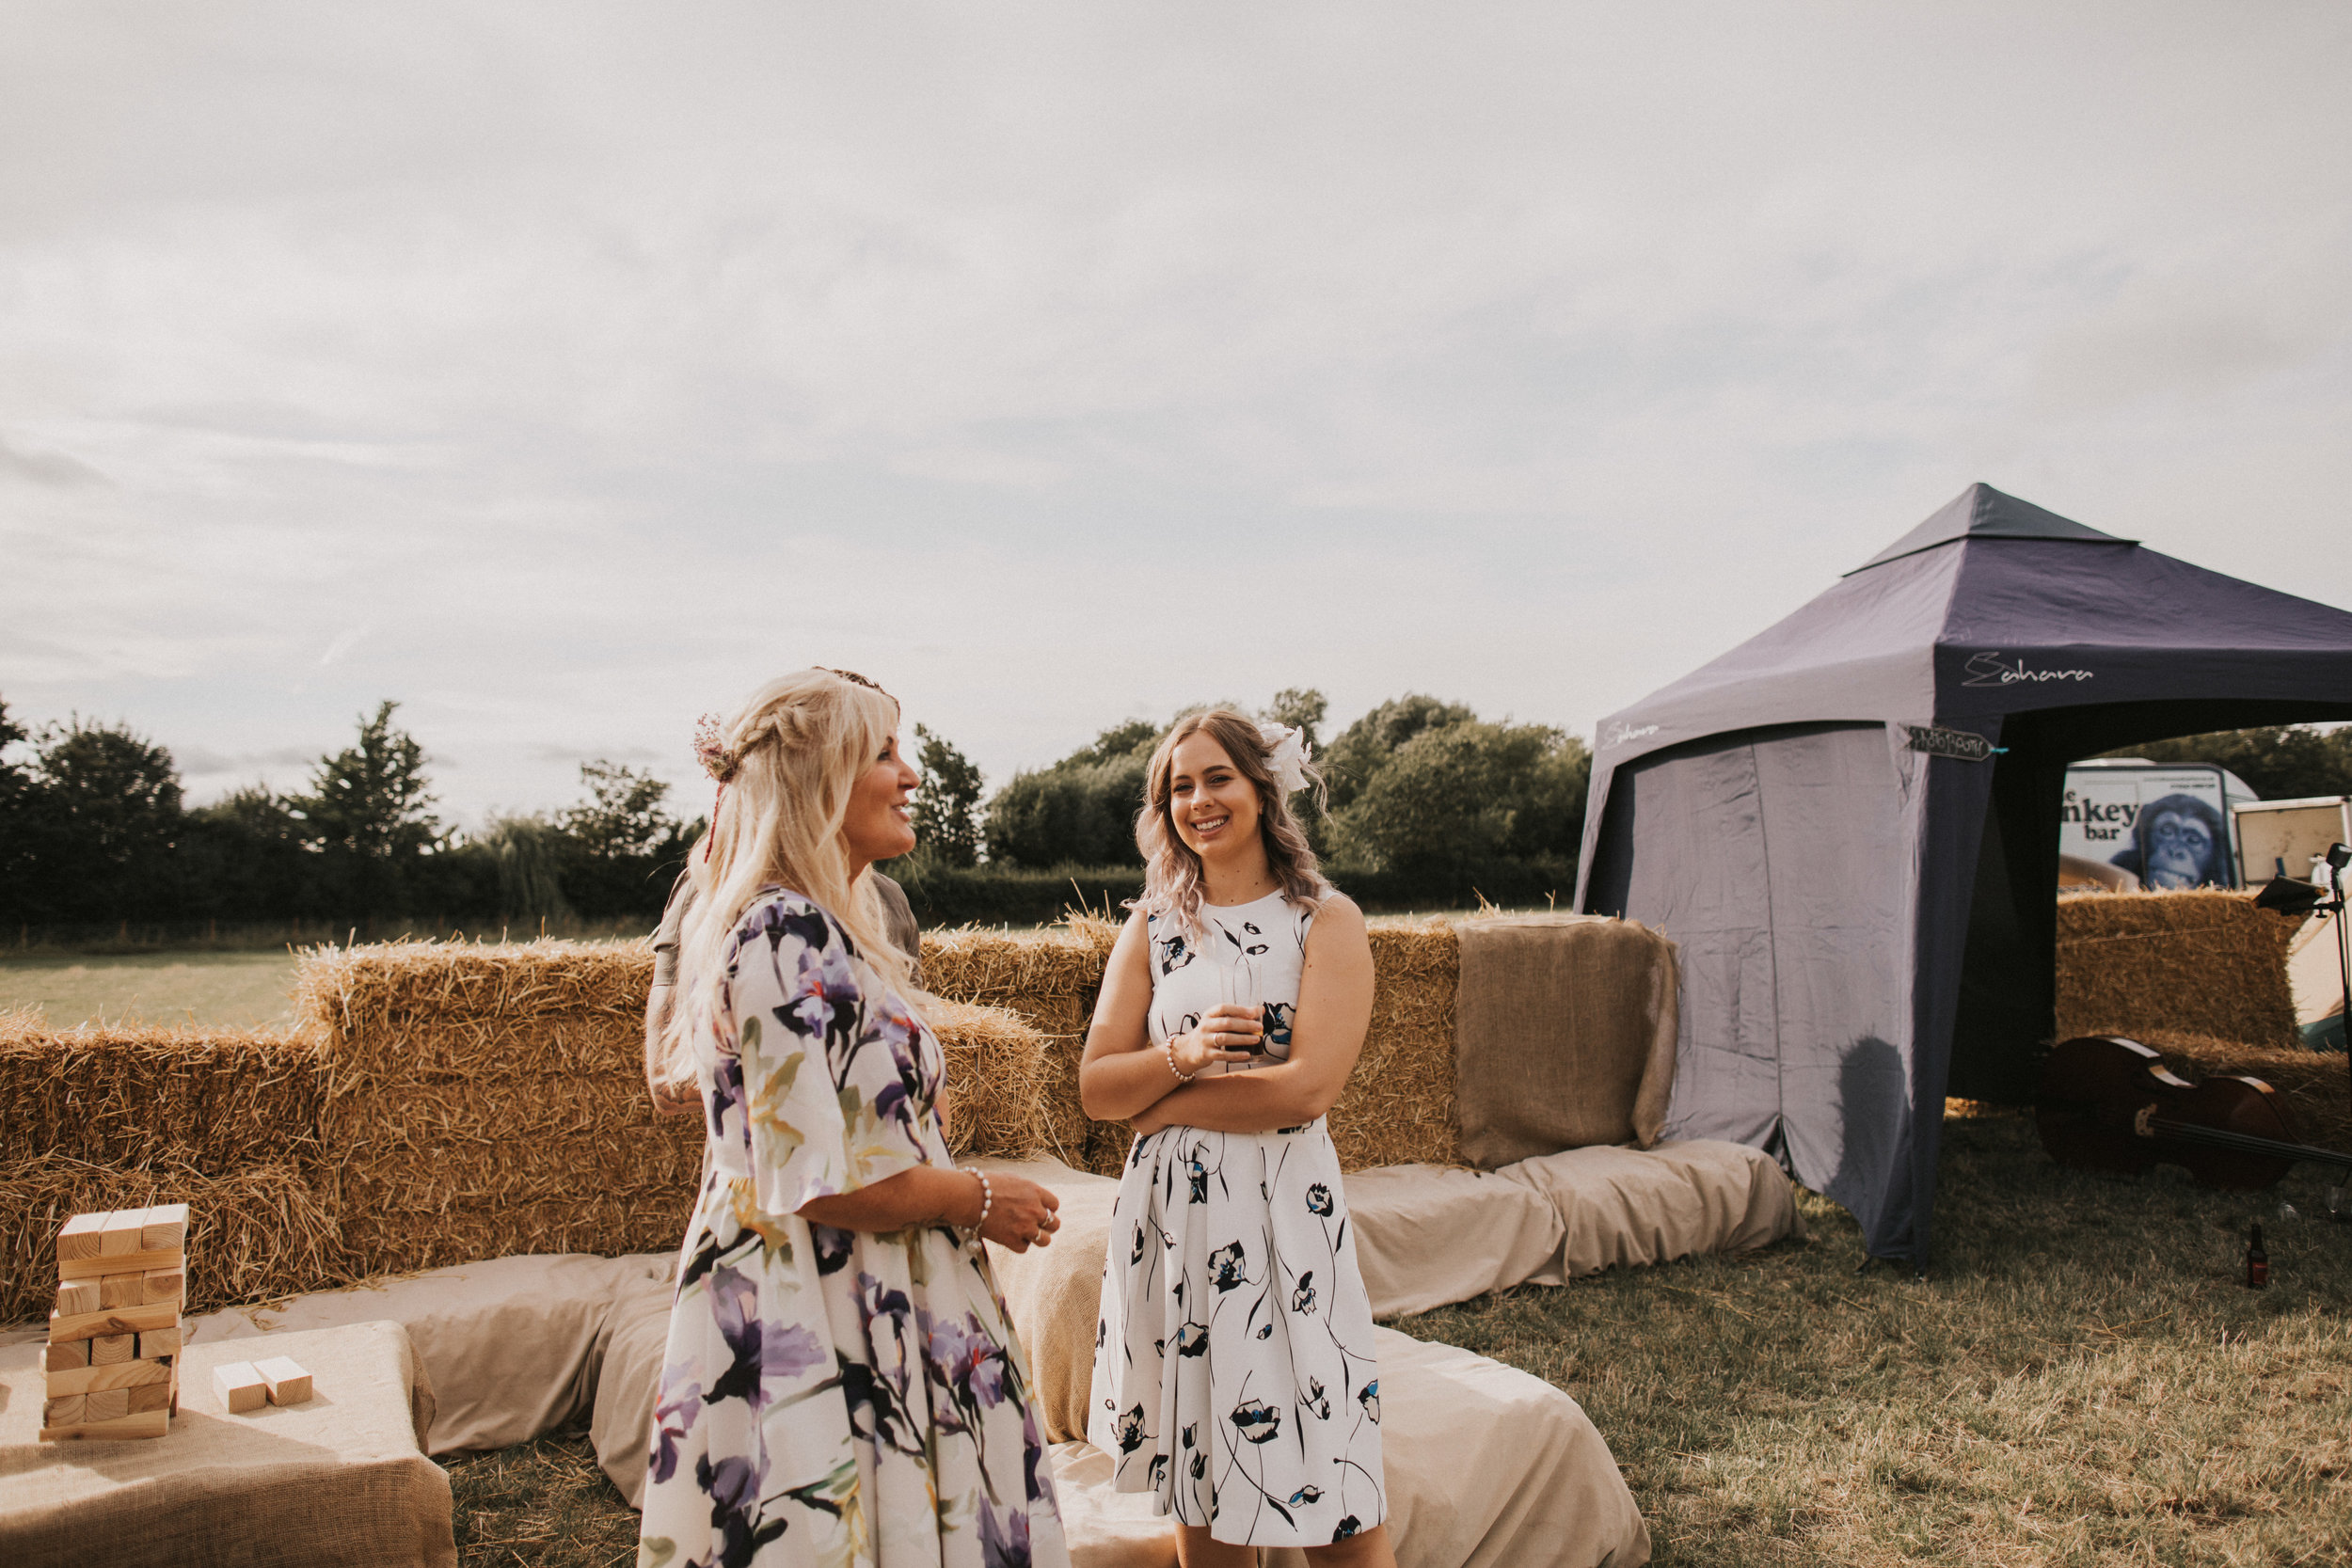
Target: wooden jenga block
(151,1395)
(78,1238)
(112,1320)
(239,1388)
(121,1233)
(68,1410)
(107,1405)
(71,1357)
(108,1350)
(120,1374)
(158,1343)
(288,1382)
(75,1296)
(121,1289)
(120,1262)
(163,1285)
(144,1423)
(165,1228)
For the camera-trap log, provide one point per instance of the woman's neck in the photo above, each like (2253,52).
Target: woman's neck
(1242,876)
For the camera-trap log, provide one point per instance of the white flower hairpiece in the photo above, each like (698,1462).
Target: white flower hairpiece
(1287,759)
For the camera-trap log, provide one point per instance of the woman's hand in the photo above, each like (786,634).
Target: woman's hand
(1022,1216)
(1226,1033)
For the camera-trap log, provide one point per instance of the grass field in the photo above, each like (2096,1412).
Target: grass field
(223,989)
(2080,1379)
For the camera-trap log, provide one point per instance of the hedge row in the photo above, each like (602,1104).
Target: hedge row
(982,895)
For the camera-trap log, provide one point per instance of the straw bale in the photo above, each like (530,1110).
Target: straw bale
(216,1101)
(486,1109)
(995,1095)
(253,1234)
(1015,969)
(1398,1105)
(2204,962)
(2316,1086)
(595,1223)
(401,1012)
(629,1162)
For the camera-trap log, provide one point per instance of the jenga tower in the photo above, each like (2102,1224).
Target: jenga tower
(113,1339)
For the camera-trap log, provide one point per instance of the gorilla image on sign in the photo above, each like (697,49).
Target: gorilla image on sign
(2177,841)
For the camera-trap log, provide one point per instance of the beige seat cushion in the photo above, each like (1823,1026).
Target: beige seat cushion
(621,1427)
(1651,1206)
(338,1478)
(1564,1031)
(1426,1235)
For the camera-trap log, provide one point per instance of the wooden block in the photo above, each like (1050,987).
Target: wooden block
(153,1396)
(158,1343)
(79,1236)
(67,1410)
(75,1296)
(288,1382)
(120,1262)
(107,1405)
(71,1357)
(121,1233)
(145,1423)
(112,1320)
(121,1289)
(110,1350)
(163,1285)
(239,1388)
(165,1228)
(121,1375)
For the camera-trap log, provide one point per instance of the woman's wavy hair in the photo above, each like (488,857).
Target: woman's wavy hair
(790,757)
(1172,871)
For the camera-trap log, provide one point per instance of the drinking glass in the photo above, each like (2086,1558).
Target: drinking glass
(1237,984)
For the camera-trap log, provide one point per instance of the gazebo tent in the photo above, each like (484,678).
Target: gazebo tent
(1850,823)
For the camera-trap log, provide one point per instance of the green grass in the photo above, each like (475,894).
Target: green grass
(2080,1379)
(219,990)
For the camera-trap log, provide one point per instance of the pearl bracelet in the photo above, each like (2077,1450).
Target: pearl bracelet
(1167,1048)
(988,1201)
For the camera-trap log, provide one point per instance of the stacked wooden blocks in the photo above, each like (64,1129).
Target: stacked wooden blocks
(114,1338)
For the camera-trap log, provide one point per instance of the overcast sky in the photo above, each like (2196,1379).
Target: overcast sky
(563,370)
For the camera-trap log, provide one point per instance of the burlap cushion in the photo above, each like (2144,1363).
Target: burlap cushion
(1564,1035)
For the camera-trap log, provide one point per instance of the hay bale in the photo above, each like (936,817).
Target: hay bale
(2205,964)
(1398,1105)
(998,1072)
(1050,979)
(2316,1086)
(601,1223)
(215,1100)
(253,1235)
(659,1162)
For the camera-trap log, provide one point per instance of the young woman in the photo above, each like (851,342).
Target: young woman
(1233,1372)
(841,1385)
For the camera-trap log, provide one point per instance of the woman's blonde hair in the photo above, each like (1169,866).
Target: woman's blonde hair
(1172,871)
(789,757)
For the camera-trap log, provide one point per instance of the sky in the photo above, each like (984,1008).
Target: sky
(563,372)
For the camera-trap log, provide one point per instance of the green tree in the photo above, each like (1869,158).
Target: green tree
(244,857)
(532,855)
(1459,795)
(1302,709)
(946,803)
(369,813)
(617,853)
(2280,761)
(1081,811)
(17,822)
(105,816)
(1366,746)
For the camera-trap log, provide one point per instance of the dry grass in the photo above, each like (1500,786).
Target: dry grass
(183,989)
(2207,962)
(544,1501)
(218,1101)
(999,1070)
(1398,1106)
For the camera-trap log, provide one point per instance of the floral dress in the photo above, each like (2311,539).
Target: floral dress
(830,1395)
(1233,1371)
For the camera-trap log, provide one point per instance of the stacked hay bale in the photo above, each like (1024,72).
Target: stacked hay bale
(2204,963)
(1050,980)
(121,1119)
(484,1100)
(1398,1107)
(999,1082)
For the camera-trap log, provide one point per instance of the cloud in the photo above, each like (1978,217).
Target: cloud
(52,468)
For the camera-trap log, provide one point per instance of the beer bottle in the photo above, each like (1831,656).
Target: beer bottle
(2257,1260)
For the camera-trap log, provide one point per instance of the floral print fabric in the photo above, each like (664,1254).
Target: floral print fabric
(833,1396)
(1233,1372)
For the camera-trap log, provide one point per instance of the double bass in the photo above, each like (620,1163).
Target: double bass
(2108,1103)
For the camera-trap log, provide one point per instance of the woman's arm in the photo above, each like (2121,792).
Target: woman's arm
(1326,1035)
(1122,1072)
(1021,1216)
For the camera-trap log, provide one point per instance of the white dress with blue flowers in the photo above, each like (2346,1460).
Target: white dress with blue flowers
(833,1396)
(1233,1371)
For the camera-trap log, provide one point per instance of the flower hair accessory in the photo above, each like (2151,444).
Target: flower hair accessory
(1286,757)
(711,751)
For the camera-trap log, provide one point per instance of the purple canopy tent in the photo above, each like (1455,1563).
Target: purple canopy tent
(1850,823)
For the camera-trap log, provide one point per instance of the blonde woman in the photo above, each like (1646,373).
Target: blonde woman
(1234,1369)
(841,1385)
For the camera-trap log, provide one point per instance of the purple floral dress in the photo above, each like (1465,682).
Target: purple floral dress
(830,1395)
